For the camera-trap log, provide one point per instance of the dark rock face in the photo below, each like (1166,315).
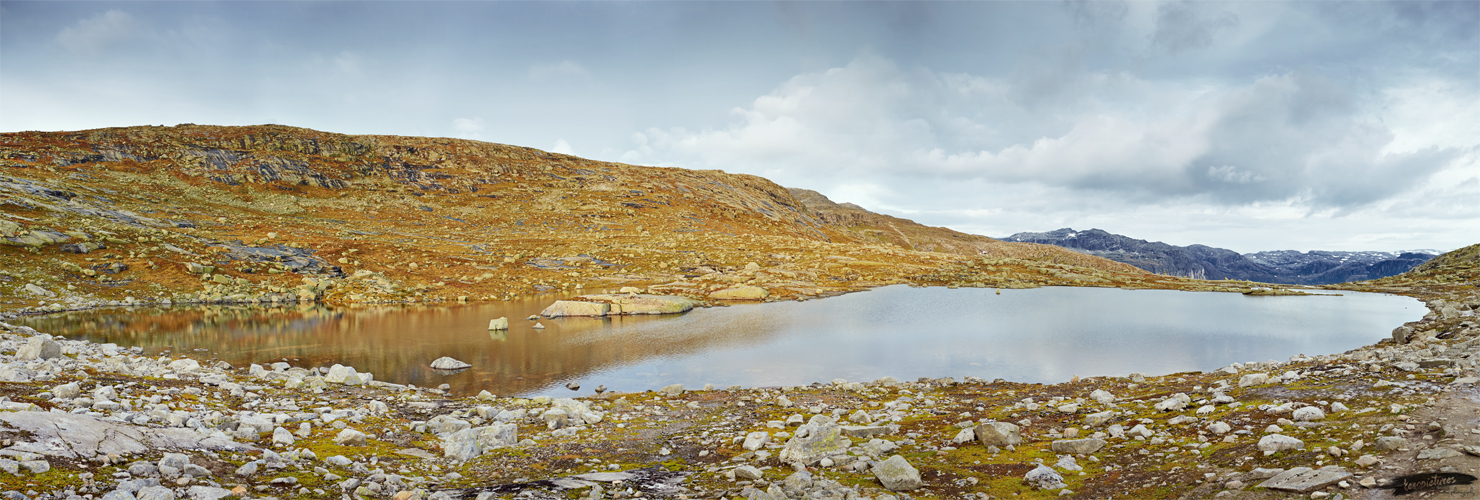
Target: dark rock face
(1205,262)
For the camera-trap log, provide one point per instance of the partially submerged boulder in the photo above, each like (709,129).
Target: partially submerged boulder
(619,304)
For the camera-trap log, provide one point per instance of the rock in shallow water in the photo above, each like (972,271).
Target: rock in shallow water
(446,363)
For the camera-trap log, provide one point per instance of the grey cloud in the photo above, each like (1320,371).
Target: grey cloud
(1181,26)
(101,31)
(1300,134)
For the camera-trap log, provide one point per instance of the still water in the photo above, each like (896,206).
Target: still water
(1038,335)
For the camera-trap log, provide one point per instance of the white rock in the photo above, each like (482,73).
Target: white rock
(1309,414)
(1271,443)
(447,363)
(1253,379)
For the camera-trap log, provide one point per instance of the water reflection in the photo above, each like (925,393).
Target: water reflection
(1042,335)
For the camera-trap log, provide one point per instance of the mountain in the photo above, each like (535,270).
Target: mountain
(1205,262)
(200,213)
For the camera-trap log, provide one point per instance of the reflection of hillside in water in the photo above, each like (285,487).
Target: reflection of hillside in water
(398,343)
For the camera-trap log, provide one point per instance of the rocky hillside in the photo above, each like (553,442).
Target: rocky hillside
(272,213)
(1205,262)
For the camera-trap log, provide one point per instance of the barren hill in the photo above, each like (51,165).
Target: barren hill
(272,213)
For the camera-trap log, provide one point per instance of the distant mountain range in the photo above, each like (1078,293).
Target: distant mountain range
(1205,262)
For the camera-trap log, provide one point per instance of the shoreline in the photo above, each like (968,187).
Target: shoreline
(1160,438)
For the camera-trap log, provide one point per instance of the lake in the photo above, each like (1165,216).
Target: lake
(1036,335)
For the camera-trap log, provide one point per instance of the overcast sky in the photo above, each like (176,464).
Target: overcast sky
(1253,126)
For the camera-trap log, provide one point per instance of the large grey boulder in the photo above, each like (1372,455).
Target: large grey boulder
(1402,333)
(1045,477)
(468,444)
(1077,446)
(1253,379)
(1279,442)
(896,474)
(447,363)
(820,438)
(350,437)
(155,493)
(1390,443)
(339,374)
(207,493)
(999,434)
(85,437)
(1305,479)
(619,304)
(1098,419)
(1308,414)
(39,347)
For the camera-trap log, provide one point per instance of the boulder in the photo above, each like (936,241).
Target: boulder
(1279,442)
(1305,479)
(756,440)
(350,437)
(619,304)
(866,431)
(998,434)
(1219,427)
(1177,402)
(563,308)
(1253,379)
(815,440)
(85,437)
(471,443)
(672,390)
(339,374)
(32,289)
(501,323)
(896,474)
(1077,446)
(747,473)
(1097,419)
(1391,443)
(1402,333)
(39,347)
(1045,477)
(1102,396)
(740,293)
(446,363)
(1308,414)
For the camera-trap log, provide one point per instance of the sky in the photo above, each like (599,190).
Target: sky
(1255,125)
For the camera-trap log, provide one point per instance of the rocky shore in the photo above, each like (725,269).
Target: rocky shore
(83,420)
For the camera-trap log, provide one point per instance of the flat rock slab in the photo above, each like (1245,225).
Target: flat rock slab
(85,437)
(866,431)
(1305,479)
(616,304)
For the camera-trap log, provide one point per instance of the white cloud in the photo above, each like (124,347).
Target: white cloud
(96,33)
(1294,146)
(563,70)
(562,147)
(468,128)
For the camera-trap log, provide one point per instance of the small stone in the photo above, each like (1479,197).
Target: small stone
(747,472)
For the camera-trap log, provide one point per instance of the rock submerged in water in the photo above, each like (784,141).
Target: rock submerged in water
(618,304)
(446,363)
